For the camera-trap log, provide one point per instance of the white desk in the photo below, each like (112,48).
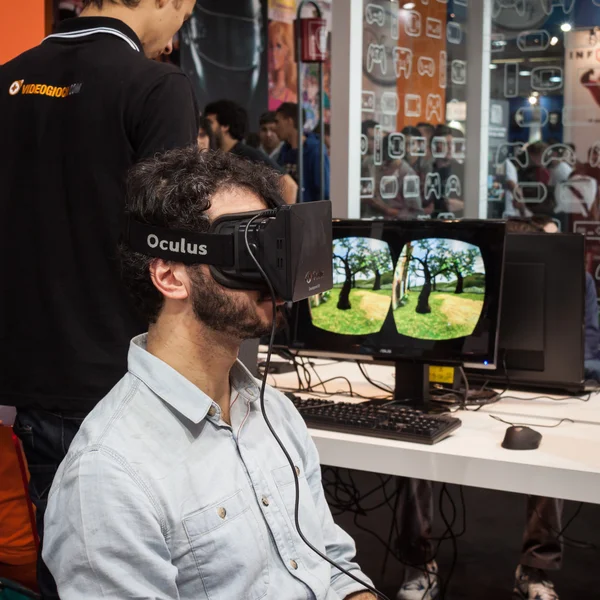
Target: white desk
(566,465)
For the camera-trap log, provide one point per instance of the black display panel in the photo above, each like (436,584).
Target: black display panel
(416,290)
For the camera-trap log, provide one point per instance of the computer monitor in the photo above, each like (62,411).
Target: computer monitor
(542,334)
(412,292)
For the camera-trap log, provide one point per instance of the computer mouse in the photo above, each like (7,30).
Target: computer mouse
(519,437)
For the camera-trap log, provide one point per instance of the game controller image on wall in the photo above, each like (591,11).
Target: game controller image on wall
(533,192)
(412,105)
(453,186)
(458,148)
(439,146)
(576,195)
(389,187)
(376,56)
(594,153)
(411,185)
(513,151)
(378,145)
(368,101)
(433,28)
(443,69)
(566,5)
(418,145)
(536,40)
(375,15)
(396,146)
(413,24)
(367,187)
(531,116)
(559,153)
(403,58)
(547,79)
(433,186)
(453,32)
(394,25)
(458,72)
(499,5)
(426,66)
(433,107)
(498,43)
(511,80)
(364,144)
(389,103)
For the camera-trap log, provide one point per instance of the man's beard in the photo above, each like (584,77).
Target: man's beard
(220,312)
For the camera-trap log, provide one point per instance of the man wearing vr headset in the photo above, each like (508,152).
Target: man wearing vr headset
(174,486)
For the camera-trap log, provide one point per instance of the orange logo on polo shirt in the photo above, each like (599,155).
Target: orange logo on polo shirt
(42,89)
(15,87)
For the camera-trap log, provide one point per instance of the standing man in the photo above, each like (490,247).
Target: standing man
(230,126)
(77,112)
(287,130)
(270,143)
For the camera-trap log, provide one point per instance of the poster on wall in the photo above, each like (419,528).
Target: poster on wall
(223,50)
(283,70)
(581,112)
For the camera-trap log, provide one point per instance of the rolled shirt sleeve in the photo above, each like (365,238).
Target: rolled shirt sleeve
(105,534)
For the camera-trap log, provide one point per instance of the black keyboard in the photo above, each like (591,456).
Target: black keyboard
(376,419)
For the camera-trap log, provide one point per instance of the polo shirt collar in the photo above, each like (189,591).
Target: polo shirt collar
(82,27)
(177,391)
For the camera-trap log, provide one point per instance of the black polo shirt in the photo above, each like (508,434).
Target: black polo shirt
(75,113)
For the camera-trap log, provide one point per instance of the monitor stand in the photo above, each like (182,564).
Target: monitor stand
(412,387)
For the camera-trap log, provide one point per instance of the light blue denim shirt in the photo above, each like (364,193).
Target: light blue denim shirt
(158,498)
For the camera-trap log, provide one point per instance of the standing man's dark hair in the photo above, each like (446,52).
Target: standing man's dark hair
(77,112)
(230,121)
(289,110)
(229,115)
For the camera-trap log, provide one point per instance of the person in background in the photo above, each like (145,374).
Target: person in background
(270,143)
(206,137)
(447,167)
(538,177)
(175,488)
(100,103)
(560,169)
(230,122)
(427,131)
(253,140)
(416,156)
(327,135)
(390,199)
(287,130)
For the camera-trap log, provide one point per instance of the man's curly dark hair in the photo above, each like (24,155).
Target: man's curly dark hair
(174,190)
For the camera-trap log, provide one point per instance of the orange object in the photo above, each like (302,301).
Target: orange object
(18,537)
(22,26)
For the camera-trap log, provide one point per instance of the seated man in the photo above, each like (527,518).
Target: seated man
(174,487)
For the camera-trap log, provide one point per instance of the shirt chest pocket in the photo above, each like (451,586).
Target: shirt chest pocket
(309,515)
(229,549)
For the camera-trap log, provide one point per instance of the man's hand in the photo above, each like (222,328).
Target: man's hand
(361,596)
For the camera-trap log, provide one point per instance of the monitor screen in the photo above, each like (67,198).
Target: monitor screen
(416,290)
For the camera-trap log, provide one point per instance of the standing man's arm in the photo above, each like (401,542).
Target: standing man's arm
(104,534)
(289,189)
(165,117)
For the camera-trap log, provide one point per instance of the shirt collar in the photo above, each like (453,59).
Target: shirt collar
(177,391)
(70,28)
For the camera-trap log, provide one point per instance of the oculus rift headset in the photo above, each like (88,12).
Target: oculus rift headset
(292,244)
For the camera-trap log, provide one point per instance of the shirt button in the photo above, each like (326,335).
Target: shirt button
(293,564)
(297,471)
(221,512)
(265,501)
(212,411)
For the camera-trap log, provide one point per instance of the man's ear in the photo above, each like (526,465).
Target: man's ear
(170,279)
